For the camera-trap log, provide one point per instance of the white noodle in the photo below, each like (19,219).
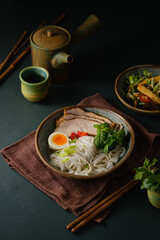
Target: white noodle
(87,159)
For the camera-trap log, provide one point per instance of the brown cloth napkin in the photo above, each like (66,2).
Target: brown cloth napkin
(79,195)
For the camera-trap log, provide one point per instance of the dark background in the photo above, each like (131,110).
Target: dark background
(130,35)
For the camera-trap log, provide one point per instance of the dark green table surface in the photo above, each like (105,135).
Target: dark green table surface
(129,36)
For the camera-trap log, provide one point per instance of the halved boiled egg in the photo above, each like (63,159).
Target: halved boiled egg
(58,140)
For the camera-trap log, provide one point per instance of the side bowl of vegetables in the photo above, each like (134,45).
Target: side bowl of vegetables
(138,88)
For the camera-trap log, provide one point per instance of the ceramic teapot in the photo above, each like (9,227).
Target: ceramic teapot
(51,47)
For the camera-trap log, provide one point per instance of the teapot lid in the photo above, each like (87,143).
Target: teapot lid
(51,37)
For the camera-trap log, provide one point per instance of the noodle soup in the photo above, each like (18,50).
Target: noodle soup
(80,158)
(86,159)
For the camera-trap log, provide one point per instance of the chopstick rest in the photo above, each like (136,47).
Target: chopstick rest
(98,208)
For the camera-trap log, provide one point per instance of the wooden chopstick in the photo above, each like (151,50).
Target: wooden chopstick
(98,208)
(61,17)
(21,46)
(27,40)
(13,50)
(12,66)
(56,22)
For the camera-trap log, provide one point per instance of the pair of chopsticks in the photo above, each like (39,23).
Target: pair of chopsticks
(18,46)
(81,221)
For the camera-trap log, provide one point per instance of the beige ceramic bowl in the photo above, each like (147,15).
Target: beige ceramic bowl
(47,127)
(120,84)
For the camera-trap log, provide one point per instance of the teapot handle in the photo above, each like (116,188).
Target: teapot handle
(88,27)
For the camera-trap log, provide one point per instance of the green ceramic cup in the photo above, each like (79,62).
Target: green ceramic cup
(154,198)
(34,83)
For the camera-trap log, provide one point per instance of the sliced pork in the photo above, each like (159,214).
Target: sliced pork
(68,126)
(78,111)
(76,119)
(70,116)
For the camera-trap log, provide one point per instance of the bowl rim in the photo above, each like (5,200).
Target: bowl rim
(65,174)
(125,102)
(31,83)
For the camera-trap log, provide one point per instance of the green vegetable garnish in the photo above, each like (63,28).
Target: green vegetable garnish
(65,160)
(110,144)
(103,130)
(66,151)
(146,170)
(108,138)
(149,175)
(85,166)
(152,183)
(120,137)
(72,140)
(70,149)
(99,139)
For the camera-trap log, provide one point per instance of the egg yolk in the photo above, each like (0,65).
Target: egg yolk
(59,139)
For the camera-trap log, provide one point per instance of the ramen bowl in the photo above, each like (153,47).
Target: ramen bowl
(48,125)
(121,85)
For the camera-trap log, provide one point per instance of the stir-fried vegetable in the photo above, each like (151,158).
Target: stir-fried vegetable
(133,81)
(157,88)
(145,98)
(138,98)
